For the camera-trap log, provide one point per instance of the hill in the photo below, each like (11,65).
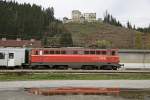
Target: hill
(103,35)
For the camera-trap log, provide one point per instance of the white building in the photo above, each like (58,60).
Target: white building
(76,14)
(78,17)
(66,20)
(90,17)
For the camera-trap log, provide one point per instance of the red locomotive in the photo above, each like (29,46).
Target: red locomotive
(74,58)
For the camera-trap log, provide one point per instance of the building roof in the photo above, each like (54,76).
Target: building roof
(21,43)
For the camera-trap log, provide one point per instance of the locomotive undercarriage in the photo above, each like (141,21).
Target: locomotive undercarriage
(83,66)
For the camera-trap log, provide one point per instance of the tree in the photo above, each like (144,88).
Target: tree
(145,30)
(28,21)
(103,44)
(138,41)
(50,13)
(109,19)
(129,26)
(66,40)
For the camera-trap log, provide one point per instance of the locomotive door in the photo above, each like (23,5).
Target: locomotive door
(11,60)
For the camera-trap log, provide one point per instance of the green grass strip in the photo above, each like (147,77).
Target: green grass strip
(60,76)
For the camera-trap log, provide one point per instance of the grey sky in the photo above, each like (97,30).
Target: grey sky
(136,11)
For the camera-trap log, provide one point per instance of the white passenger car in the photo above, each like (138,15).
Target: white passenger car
(11,57)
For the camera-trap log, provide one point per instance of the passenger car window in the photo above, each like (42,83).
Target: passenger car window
(11,55)
(2,55)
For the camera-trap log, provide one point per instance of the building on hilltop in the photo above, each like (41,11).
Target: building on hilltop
(82,19)
(90,17)
(66,20)
(76,14)
(78,17)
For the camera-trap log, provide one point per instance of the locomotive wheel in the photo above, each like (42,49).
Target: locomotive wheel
(114,68)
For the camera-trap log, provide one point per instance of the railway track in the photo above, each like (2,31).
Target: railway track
(76,71)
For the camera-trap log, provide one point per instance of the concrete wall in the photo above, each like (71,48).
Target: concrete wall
(135,58)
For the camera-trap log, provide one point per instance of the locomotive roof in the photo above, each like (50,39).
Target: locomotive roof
(72,48)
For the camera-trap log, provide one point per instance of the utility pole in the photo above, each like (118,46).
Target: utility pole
(144,55)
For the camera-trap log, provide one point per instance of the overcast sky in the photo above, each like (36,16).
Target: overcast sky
(136,11)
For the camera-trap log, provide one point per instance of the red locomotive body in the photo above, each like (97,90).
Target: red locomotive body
(75,58)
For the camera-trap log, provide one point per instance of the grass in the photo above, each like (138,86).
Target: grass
(120,37)
(59,76)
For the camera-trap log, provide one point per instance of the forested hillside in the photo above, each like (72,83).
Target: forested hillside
(28,21)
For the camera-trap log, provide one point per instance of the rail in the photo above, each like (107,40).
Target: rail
(76,71)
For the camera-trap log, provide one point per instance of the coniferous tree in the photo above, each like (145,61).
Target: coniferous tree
(129,26)
(27,21)
(109,19)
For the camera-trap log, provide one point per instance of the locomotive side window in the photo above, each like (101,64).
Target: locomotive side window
(57,52)
(63,52)
(86,52)
(2,55)
(52,52)
(98,52)
(46,52)
(92,52)
(104,53)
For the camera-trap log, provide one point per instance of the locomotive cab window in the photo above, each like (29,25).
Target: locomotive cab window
(36,52)
(2,55)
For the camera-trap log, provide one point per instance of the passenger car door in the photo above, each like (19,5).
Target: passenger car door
(11,59)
